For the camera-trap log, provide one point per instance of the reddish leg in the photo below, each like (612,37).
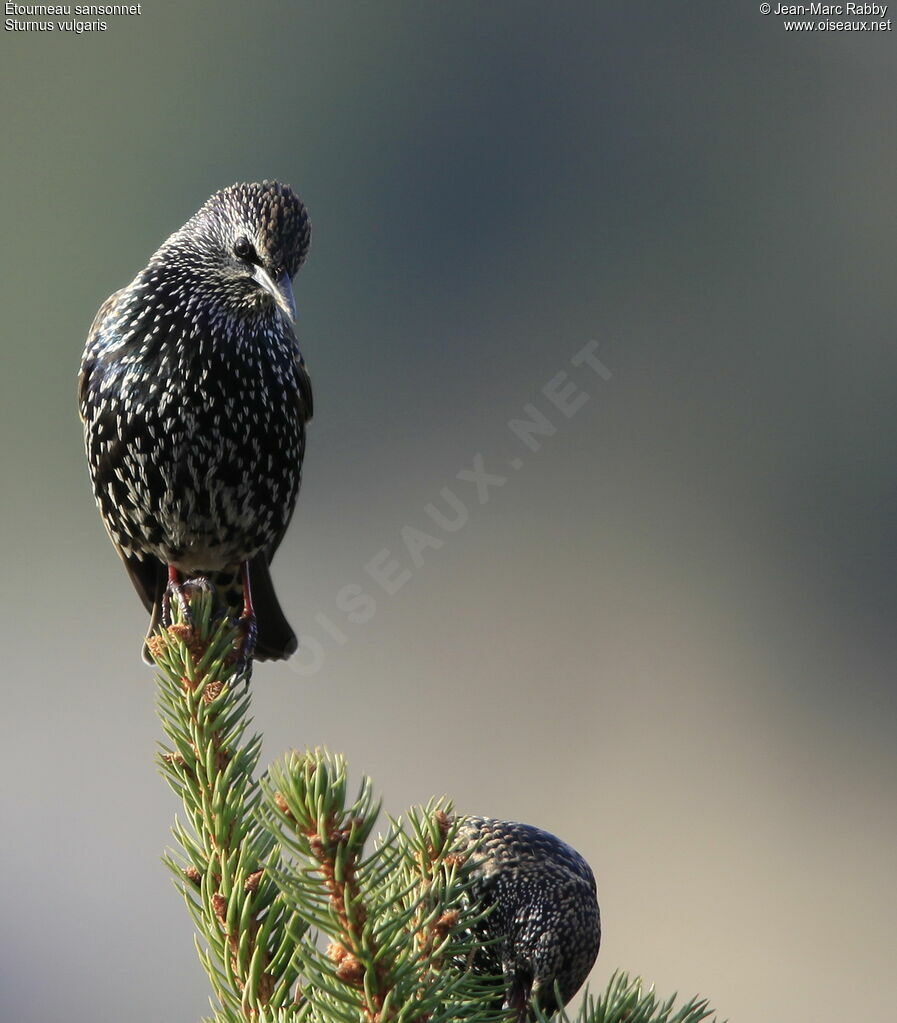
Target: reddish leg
(175,589)
(247,619)
(248,609)
(518,998)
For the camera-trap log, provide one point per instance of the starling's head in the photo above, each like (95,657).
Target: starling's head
(246,244)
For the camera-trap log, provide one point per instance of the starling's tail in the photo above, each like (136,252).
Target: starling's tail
(275,639)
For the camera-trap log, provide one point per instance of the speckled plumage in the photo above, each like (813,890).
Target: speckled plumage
(545,913)
(194,397)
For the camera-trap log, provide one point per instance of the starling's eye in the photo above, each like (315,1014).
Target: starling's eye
(243,248)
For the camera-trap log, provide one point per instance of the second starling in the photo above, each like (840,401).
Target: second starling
(544,927)
(194,397)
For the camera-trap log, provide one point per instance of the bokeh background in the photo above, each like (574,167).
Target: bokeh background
(668,637)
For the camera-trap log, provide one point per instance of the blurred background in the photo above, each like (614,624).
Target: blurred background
(668,636)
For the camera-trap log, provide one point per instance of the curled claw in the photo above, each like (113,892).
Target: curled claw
(182,592)
(199,584)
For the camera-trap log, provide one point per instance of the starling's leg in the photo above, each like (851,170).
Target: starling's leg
(519,996)
(247,620)
(175,589)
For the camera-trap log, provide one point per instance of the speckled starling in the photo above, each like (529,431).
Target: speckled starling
(194,397)
(544,914)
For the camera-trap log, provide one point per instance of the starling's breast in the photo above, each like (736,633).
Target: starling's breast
(236,444)
(200,441)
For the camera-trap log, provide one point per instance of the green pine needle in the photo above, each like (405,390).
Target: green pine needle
(300,916)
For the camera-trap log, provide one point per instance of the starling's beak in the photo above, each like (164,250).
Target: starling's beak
(280,288)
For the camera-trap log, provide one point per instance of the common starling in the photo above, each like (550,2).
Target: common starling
(194,398)
(544,912)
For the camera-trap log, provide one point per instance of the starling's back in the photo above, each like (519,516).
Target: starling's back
(194,397)
(544,911)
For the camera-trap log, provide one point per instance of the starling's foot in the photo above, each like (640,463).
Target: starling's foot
(518,998)
(245,648)
(243,673)
(250,632)
(177,591)
(182,592)
(199,584)
(247,625)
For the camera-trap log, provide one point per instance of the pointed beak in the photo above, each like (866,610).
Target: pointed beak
(281,289)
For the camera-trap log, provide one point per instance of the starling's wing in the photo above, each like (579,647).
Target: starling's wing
(304,392)
(276,639)
(146,573)
(89,359)
(305,407)
(150,579)
(149,576)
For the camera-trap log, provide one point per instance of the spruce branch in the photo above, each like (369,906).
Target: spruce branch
(247,933)
(396,921)
(301,916)
(626,1001)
